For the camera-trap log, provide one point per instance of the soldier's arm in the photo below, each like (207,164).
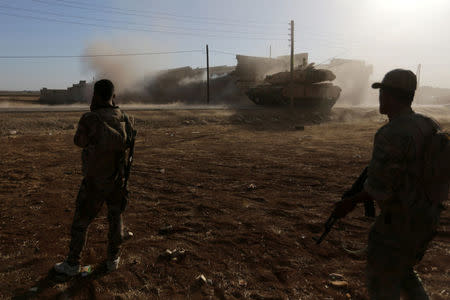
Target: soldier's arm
(86,131)
(386,166)
(346,205)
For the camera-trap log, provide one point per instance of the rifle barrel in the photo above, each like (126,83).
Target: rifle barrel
(328,225)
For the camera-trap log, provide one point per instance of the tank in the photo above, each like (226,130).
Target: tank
(311,89)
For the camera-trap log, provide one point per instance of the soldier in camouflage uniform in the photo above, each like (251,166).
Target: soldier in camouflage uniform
(104,134)
(409,208)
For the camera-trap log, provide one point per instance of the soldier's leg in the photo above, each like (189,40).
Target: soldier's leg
(382,284)
(88,204)
(411,286)
(384,272)
(115,233)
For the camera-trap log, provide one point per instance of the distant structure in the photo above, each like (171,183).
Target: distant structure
(78,92)
(187,85)
(186,75)
(353,77)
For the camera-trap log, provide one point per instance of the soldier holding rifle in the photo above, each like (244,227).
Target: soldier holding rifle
(106,134)
(410,203)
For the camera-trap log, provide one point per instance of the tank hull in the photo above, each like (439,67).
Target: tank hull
(320,97)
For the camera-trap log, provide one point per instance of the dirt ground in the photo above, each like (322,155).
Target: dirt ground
(242,192)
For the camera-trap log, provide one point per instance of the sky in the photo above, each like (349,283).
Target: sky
(386,33)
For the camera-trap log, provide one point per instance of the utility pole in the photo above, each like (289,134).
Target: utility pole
(419,68)
(270,51)
(292,63)
(207,75)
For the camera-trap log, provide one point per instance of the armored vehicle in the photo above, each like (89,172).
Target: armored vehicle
(310,89)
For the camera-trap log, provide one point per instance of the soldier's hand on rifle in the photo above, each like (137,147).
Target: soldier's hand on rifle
(343,207)
(346,205)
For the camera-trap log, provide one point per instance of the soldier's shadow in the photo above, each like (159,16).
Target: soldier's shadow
(76,285)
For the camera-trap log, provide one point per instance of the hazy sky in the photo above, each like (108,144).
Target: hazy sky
(385,33)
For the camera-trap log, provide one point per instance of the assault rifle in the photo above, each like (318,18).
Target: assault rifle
(130,159)
(357,187)
(128,169)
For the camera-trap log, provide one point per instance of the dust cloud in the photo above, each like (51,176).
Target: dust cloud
(357,90)
(127,72)
(149,79)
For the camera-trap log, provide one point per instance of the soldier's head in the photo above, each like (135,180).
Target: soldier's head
(396,90)
(103,92)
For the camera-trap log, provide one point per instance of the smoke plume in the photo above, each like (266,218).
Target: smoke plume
(126,72)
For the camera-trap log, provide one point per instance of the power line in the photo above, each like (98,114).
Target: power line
(329,42)
(312,36)
(112,54)
(139,14)
(316,35)
(135,29)
(89,6)
(320,40)
(169,14)
(98,55)
(124,22)
(223,52)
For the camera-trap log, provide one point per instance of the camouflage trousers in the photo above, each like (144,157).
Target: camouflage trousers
(390,272)
(91,196)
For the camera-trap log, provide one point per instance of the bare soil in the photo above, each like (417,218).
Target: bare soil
(241,191)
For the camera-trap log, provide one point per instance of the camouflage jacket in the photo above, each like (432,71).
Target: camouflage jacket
(395,180)
(103,134)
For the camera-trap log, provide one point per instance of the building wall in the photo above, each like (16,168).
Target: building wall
(79,92)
